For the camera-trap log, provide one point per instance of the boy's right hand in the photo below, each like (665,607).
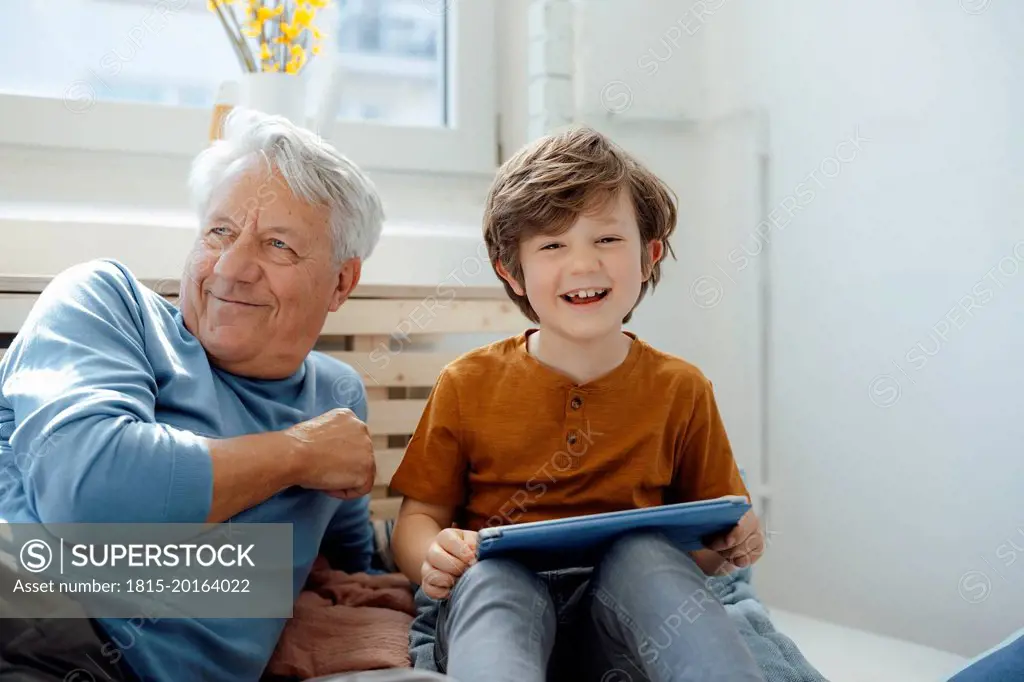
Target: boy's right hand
(449,556)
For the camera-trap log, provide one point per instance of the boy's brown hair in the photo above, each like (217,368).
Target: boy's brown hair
(549,183)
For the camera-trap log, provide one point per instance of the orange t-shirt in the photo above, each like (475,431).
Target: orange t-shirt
(505,439)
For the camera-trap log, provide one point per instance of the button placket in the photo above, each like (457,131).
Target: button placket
(573,423)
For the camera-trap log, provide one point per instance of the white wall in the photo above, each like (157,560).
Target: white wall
(905,489)
(895,499)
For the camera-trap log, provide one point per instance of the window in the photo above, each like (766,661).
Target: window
(394,54)
(135,51)
(115,66)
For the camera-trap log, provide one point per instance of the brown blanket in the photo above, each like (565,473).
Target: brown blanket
(345,623)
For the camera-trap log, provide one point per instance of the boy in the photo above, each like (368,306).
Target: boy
(572,417)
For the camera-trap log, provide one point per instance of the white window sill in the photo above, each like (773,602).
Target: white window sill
(43,239)
(130,128)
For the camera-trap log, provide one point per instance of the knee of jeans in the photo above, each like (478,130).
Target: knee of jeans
(634,558)
(638,552)
(491,574)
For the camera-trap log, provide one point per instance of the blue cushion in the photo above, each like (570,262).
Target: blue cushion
(1003,663)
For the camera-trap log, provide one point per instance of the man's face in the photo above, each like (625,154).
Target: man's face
(261,277)
(582,283)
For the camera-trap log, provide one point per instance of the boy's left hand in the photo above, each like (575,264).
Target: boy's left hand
(743,544)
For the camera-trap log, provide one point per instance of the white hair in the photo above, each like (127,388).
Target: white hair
(312,169)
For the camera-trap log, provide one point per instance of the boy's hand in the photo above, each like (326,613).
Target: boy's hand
(449,556)
(741,546)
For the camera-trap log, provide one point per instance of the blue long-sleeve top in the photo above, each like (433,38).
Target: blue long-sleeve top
(104,395)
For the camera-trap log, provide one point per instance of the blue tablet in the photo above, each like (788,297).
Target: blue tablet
(579,541)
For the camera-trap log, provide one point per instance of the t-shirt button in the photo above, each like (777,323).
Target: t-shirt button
(570,438)
(576,402)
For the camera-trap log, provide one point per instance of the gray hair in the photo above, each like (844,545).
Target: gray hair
(312,169)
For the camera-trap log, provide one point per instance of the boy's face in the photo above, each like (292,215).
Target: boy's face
(583,282)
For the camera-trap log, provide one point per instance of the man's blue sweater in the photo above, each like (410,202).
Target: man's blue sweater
(107,378)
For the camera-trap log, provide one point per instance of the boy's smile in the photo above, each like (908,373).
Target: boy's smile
(586,296)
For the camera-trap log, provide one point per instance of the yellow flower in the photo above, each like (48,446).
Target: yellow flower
(303,16)
(290,31)
(297,58)
(255,14)
(266,13)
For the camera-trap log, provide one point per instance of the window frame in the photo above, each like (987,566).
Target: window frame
(468,144)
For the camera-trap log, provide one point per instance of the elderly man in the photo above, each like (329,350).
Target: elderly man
(213,410)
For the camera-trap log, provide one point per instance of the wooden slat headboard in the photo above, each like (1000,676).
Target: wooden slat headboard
(392,335)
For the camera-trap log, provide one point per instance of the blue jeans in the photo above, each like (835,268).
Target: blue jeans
(642,615)
(1004,663)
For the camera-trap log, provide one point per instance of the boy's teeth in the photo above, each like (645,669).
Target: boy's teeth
(586,293)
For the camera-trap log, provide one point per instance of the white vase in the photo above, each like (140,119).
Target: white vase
(280,94)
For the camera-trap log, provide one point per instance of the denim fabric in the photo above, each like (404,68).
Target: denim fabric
(778,657)
(642,615)
(1005,663)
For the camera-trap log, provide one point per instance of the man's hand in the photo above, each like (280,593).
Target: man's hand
(743,544)
(451,554)
(334,453)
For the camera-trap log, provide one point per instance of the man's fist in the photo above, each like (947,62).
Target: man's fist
(449,556)
(334,453)
(741,546)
